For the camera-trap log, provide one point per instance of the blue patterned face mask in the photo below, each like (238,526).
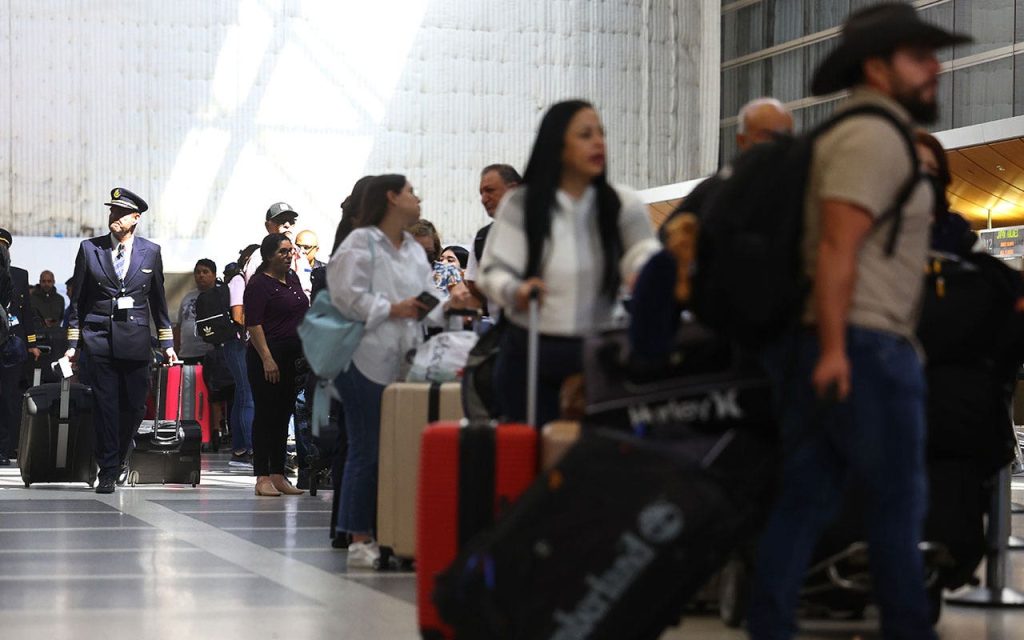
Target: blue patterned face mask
(446,275)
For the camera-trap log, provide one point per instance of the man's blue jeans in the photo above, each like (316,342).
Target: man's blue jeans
(242,407)
(875,442)
(360,399)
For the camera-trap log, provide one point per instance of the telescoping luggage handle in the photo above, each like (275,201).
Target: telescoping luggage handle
(63,423)
(533,357)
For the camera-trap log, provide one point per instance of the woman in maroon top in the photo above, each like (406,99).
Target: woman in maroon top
(274,306)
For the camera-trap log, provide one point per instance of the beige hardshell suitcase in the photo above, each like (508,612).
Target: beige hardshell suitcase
(406,409)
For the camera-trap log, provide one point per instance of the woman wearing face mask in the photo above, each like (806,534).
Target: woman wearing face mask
(572,236)
(375,277)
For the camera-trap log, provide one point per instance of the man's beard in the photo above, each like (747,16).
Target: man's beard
(921,110)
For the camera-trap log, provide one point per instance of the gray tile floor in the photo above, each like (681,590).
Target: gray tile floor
(218,562)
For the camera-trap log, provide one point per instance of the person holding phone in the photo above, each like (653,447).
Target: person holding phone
(380,276)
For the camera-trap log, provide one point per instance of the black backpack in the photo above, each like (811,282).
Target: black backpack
(750,282)
(243,259)
(213,316)
(480,241)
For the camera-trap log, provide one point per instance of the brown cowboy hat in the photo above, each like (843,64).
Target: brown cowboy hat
(874,31)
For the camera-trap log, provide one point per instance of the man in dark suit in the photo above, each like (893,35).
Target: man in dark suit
(23,326)
(118,283)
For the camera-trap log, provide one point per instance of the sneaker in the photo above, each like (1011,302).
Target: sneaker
(242,460)
(363,555)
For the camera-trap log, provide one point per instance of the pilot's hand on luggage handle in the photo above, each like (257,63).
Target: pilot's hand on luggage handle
(70,354)
(270,371)
(35,352)
(172,356)
(408,308)
(831,376)
(526,289)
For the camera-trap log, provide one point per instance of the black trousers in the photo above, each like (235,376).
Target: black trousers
(559,358)
(10,409)
(119,389)
(274,404)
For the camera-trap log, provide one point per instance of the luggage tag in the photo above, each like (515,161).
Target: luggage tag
(12,320)
(125,302)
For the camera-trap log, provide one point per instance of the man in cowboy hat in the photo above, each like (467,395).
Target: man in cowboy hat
(853,413)
(118,283)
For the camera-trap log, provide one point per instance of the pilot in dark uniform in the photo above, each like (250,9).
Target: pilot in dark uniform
(118,283)
(19,311)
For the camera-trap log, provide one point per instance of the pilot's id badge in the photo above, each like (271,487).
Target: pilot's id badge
(125,302)
(13,321)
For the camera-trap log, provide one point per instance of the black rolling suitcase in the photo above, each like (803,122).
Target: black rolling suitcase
(612,542)
(57,437)
(167,451)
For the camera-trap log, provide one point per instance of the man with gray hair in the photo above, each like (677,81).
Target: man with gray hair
(495,181)
(762,120)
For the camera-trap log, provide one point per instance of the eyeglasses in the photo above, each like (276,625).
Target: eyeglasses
(307,247)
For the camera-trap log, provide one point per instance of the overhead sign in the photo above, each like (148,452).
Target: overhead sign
(1007,242)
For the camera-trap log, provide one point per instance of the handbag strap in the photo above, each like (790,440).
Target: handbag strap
(373,261)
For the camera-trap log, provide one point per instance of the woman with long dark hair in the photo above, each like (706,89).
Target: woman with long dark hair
(274,306)
(569,234)
(375,277)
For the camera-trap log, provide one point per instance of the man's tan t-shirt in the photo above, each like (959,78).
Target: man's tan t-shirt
(864,161)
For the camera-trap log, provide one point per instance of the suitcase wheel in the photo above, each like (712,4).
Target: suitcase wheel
(27,484)
(383,563)
(133,478)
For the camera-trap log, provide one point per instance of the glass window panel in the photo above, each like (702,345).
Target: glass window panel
(983,93)
(812,116)
(944,96)
(814,54)
(750,29)
(730,100)
(1019,30)
(727,145)
(990,22)
(786,18)
(787,76)
(941,15)
(1018,85)
(825,14)
(730,34)
(740,85)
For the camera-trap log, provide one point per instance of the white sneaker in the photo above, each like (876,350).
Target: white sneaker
(363,555)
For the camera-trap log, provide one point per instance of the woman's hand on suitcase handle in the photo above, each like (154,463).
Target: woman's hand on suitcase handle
(271,372)
(533,287)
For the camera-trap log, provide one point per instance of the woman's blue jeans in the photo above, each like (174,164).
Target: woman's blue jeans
(360,399)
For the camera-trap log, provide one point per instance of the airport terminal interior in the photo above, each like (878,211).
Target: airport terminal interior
(212,110)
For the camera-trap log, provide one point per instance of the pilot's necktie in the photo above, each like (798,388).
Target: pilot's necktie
(119,261)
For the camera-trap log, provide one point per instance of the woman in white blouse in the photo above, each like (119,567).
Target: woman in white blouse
(374,277)
(568,233)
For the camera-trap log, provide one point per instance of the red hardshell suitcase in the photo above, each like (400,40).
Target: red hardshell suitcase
(468,476)
(195,399)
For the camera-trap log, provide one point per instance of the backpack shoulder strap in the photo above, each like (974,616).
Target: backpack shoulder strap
(895,211)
